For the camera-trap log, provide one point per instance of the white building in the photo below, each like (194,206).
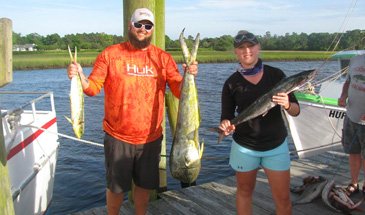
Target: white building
(25,47)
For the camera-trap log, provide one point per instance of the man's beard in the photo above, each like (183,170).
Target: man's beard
(137,43)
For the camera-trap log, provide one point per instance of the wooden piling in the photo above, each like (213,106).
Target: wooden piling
(6,54)
(6,201)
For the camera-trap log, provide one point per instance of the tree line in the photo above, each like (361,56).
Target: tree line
(354,39)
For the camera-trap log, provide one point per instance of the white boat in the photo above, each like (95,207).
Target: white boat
(31,142)
(318,127)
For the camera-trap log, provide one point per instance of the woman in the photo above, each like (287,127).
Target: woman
(260,142)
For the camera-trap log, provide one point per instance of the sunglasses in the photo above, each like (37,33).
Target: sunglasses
(247,36)
(147,27)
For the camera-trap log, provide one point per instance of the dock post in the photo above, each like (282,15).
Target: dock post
(6,69)
(6,51)
(158,9)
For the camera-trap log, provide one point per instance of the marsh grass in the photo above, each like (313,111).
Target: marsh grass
(60,58)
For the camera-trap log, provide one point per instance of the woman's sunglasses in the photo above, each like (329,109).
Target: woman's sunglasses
(147,27)
(247,36)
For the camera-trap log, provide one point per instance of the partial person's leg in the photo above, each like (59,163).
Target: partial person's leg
(351,145)
(246,182)
(280,186)
(277,169)
(118,168)
(355,168)
(361,138)
(141,199)
(146,174)
(246,167)
(113,202)
(363,168)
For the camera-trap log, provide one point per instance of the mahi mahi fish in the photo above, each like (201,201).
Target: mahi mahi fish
(76,102)
(186,152)
(263,104)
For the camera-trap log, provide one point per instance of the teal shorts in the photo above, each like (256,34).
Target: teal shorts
(244,160)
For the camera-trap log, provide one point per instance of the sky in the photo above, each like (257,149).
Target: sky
(210,18)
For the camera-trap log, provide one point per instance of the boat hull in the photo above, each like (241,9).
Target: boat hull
(318,128)
(31,142)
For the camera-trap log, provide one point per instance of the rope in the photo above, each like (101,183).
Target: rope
(66,136)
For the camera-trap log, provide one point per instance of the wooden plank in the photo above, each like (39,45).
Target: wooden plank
(219,197)
(182,203)
(163,207)
(210,199)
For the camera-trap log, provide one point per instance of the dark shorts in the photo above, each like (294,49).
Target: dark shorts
(353,138)
(125,161)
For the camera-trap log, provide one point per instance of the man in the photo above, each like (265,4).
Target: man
(134,75)
(353,137)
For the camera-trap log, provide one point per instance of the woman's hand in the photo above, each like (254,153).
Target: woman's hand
(226,127)
(282,99)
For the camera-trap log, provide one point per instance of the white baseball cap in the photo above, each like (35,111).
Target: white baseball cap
(143,14)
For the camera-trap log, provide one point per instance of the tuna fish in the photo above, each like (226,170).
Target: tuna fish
(263,104)
(76,102)
(186,152)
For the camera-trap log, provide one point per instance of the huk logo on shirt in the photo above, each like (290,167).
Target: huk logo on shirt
(138,71)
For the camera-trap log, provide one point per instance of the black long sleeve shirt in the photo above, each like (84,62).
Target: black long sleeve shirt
(263,132)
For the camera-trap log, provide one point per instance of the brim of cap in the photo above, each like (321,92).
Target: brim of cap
(236,45)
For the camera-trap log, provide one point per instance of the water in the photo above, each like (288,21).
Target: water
(79,182)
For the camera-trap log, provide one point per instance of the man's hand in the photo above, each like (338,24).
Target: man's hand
(192,69)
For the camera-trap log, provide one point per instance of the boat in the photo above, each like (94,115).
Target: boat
(31,143)
(318,127)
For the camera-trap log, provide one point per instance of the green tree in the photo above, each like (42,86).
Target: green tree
(223,43)
(52,42)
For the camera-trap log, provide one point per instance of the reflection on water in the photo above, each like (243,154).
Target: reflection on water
(80,182)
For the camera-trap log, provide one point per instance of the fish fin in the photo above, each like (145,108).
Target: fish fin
(220,137)
(214,129)
(78,135)
(217,130)
(201,149)
(68,119)
(264,114)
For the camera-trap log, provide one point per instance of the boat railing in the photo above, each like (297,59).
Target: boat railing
(13,113)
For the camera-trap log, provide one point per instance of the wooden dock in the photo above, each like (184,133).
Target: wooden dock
(218,197)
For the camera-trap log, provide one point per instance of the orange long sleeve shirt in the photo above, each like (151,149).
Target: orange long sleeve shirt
(134,83)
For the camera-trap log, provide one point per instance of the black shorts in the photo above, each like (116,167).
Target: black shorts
(125,161)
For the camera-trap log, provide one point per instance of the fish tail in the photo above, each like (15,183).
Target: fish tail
(68,119)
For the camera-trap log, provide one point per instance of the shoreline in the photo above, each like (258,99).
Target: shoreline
(60,59)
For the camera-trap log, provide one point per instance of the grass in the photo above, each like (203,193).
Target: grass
(60,58)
